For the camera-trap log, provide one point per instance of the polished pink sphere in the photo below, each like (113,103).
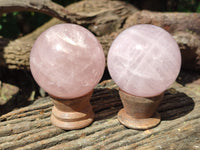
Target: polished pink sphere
(67,61)
(144,60)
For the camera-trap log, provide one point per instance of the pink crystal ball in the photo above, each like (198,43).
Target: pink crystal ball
(67,61)
(144,60)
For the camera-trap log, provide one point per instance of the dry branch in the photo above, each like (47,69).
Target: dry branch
(43,6)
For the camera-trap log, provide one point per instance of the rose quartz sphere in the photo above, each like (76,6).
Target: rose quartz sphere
(144,60)
(67,61)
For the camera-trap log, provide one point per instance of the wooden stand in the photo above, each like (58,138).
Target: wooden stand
(139,112)
(72,114)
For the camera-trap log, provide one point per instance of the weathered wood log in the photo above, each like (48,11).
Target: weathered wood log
(30,127)
(189,45)
(43,6)
(172,22)
(183,26)
(106,20)
(101,17)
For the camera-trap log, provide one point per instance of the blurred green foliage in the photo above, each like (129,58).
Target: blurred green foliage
(188,6)
(16,24)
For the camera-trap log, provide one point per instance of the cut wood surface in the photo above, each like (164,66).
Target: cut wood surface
(30,127)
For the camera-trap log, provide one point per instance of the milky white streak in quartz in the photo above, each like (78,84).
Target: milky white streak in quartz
(67,61)
(144,60)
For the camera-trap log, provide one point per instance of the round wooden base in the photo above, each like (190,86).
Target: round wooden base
(141,124)
(72,114)
(139,112)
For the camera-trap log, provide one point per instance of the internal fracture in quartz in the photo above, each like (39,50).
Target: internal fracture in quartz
(67,61)
(144,60)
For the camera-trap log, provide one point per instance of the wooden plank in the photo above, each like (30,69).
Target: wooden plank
(30,127)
